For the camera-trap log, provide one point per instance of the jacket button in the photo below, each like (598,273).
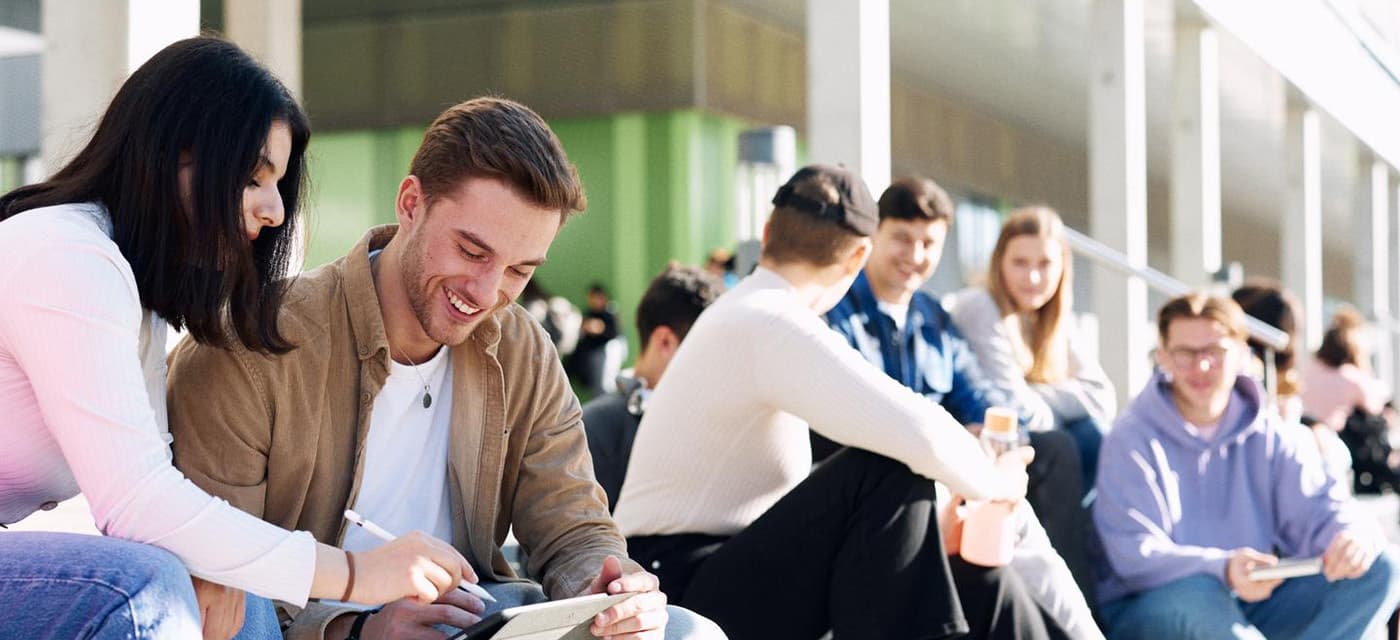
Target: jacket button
(364,351)
(49,506)
(364,397)
(655,564)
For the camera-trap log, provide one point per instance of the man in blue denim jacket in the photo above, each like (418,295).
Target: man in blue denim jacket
(907,332)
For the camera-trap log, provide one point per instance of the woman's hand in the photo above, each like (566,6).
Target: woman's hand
(415,566)
(220,609)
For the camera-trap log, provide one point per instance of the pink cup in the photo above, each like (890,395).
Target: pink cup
(987,534)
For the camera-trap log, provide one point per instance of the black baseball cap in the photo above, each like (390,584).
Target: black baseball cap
(854,208)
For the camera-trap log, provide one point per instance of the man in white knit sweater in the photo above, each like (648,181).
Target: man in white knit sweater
(718,500)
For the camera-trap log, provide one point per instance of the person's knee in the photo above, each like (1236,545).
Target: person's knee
(1168,622)
(1198,606)
(1384,575)
(684,624)
(160,600)
(874,468)
(157,569)
(513,594)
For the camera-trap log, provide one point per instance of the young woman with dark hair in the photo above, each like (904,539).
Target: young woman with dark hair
(180,211)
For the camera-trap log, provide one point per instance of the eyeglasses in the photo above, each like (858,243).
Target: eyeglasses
(1185,357)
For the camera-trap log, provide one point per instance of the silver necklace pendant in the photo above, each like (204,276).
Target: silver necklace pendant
(427,398)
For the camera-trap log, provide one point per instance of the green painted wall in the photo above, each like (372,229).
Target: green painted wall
(354,179)
(11,173)
(660,187)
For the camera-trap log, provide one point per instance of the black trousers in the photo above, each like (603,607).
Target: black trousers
(1055,491)
(854,549)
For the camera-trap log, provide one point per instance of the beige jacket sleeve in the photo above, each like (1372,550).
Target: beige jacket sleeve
(560,514)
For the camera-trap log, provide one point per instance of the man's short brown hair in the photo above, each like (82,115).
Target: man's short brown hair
(797,236)
(1201,305)
(916,198)
(500,139)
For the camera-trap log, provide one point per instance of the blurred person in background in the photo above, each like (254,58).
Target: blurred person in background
(590,365)
(1200,483)
(906,332)
(1268,301)
(721,265)
(1022,327)
(1337,380)
(1348,401)
(559,317)
(671,304)
(721,497)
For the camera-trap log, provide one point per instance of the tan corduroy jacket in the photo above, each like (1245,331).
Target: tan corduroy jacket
(283,437)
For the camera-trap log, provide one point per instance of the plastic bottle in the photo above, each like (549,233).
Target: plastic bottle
(988,535)
(1000,432)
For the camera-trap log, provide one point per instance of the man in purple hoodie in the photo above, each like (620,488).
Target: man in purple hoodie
(1199,484)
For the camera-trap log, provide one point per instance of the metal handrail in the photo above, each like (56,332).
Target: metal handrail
(1114,259)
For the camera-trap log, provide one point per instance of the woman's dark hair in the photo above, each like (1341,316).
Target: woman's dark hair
(207,102)
(1267,300)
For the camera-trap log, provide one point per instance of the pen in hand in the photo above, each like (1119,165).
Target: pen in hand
(379,532)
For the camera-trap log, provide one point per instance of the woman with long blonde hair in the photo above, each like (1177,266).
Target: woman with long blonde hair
(1021,326)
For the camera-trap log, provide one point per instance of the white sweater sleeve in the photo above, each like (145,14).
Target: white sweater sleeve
(810,372)
(1087,392)
(71,320)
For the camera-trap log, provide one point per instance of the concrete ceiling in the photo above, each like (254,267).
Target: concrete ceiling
(1026,62)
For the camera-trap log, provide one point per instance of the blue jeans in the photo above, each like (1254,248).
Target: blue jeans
(1201,607)
(63,585)
(259,620)
(1088,436)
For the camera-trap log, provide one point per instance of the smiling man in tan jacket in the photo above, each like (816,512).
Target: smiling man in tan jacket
(419,394)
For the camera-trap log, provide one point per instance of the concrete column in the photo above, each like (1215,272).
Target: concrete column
(848,86)
(1302,218)
(1118,187)
(1195,179)
(1371,269)
(270,30)
(32,170)
(90,47)
(1393,216)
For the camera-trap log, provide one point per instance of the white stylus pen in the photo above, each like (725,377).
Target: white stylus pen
(379,532)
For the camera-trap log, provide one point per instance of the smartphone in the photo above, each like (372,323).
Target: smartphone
(1288,568)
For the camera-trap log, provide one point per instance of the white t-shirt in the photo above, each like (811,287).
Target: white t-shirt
(897,312)
(404,484)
